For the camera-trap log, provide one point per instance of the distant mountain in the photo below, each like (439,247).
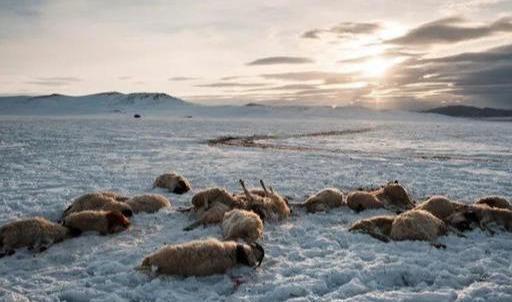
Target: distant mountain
(106,102)
(470,111)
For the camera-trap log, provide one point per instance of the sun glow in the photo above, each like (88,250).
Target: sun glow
(376,67)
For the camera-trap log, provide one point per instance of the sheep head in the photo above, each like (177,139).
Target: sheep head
(117,222)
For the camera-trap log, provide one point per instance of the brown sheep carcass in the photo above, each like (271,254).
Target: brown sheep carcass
(202,257)
(495,202)
(173,182)
(481,216)
(241,224)
(103,222)
(394,196)
(269,206)
(417,225)
(34,233)
(148,203)
(97,201)
(379,227)
(360,200)
(324,200)
(440,206)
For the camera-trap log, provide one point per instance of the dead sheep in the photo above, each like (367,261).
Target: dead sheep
(440,206)
(213,215)
(103,222)
(202,258)
(418,225)
(481,216)
(148,203)
(360,200)
(241,224)
(379,227)
(324,200)
(269,206)
(115,196)
(34,233)
(97,201)
(394,196)
(494,202)
(173,182)
(211,204)
(206,198)
(410,225)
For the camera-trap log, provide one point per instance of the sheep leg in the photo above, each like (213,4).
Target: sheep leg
(438,245)
(378,236)
(193,226)
(246,192)
(455,231)
(271,189)
(7,252)
(43,245)
(485,227)
(263,186)
(297,204)
(183,210)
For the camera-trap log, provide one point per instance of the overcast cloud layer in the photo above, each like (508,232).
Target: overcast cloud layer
(382,54)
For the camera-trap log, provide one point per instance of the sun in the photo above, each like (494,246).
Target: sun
(376,67)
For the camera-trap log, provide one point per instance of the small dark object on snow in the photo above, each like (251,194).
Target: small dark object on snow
(136,115)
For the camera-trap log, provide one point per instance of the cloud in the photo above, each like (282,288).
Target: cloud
(27,8)
(493,55)
(451,30)
(326,77)
(344,29)
(177,79)
(230,85)
(389,53)
(478,78)
(468,6)
(286,87)
(281,60)
(53,81)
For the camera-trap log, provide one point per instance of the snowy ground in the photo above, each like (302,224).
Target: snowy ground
(45,162)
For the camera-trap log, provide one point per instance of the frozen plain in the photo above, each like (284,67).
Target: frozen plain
(45,162)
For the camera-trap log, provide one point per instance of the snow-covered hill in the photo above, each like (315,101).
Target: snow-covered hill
(163,105)
(108,102)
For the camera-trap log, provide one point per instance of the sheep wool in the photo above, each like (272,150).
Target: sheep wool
(417,225)
(173,182)
(494,202)
(360,200)
(324,200)
(241,224)
(97,201)
(148,203)
(35,233)
(440,206)
(202,257)
(103,222)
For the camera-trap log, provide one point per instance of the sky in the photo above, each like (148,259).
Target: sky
(379,53)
